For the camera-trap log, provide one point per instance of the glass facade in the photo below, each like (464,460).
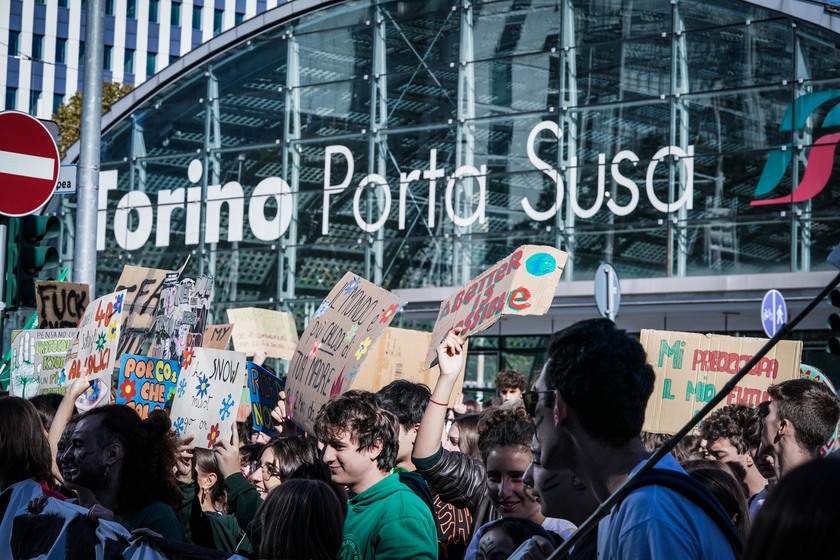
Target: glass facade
(417,143)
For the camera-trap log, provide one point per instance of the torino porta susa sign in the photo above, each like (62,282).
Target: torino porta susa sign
(134,233)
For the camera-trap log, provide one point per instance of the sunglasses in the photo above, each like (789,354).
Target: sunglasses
(531,398)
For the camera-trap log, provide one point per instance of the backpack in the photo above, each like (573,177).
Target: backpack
(693,490)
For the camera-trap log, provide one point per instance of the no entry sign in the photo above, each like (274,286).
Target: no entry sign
(29,164)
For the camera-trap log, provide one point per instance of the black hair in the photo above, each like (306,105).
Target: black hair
(407,400)
(24,449)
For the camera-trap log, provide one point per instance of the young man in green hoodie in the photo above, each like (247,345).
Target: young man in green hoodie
(385,518)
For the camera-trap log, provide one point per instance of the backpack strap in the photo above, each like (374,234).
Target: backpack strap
(693,490)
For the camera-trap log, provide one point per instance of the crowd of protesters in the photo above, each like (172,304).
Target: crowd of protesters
(401,474)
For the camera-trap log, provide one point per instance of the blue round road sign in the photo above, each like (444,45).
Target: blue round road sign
(773,312)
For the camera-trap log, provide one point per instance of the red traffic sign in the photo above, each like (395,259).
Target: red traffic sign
(29,164)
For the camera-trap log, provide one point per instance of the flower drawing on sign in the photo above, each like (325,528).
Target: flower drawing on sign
(227,403)
(179,425)
(213,435)
(170,394)
(100,341)
(128,389)
(336,386)
(350,334)
(118,301)
(352,286)
(187,357)
(352,375)
(62,376)
(182,388)
(389,313)
(322,308)
(314,351)
(203,386)
(113,330)
(363,348)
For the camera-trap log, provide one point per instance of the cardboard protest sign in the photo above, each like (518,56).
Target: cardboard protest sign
(37,360)
(208,393)
(60,305)
(521,284)
(814,374)
(263,330)
(264,391)
(142,293)
(217,336)
(335,344)
(94,349)
(400,354)
(691,368)
(181,317)
(146,384)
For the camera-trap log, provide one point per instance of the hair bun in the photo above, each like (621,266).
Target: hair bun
(510,411)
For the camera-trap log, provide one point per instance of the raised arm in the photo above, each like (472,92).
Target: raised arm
(451,356)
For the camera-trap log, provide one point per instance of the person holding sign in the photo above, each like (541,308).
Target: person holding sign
(589,406)
(129,466)
(385,518)
(491,487)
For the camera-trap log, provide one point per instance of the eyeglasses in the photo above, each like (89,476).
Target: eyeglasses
(268,469)
(530,400)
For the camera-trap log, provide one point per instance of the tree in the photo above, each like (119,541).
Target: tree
(69,115)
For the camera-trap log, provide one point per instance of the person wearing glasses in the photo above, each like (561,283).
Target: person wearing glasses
(493,486)
(589,407)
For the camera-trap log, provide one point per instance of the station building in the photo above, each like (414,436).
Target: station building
(690,144)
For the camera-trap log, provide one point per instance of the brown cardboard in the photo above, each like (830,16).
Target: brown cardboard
(523,283)
(217,336)
(142,287)
(690,368)
(335,345)
(399,354)
(263,330)
(60,305)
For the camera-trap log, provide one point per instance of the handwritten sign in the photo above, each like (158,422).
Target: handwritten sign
(521,284)
(399,354)
(263,330)
(60,305)
(335,344)
(264,389)
(142,293)
(207,395)
(217,336)
(181,317)
(146,384)
(691,368)
(95,342)
(37,360)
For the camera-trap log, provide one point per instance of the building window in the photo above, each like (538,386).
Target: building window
(58,99)
(11,98)
(62,3)
(175,15)
(238,17)
(40,1)
(173,58)
(131,8)
(196,20)
(218,16)
(81,53)
(151,63)
(34,99)
(109,7)
(60,51)
(14,43)
(128,61)
(106,57)
(37,47)
(154,7)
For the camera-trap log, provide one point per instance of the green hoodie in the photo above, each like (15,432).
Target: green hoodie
(388,521)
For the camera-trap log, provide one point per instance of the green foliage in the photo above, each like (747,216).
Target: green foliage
(69,115)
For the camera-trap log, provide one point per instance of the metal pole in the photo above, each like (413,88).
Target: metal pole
(4,236)
(84,254)
(608,504)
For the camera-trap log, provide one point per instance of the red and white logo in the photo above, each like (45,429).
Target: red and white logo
(29,164)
